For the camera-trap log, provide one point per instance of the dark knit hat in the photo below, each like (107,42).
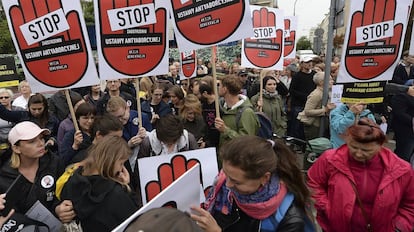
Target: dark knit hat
(163,220)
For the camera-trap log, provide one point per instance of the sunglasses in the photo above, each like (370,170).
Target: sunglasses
(5,97)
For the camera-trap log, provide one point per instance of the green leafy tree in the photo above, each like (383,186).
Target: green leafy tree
(6,43)
(303,44)
(88,14)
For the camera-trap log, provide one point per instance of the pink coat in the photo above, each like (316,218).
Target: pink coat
(335,199)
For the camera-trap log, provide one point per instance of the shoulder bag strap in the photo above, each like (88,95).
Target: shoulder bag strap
(364,214)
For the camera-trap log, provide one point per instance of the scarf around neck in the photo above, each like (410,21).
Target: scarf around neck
(270,95)
(258,205)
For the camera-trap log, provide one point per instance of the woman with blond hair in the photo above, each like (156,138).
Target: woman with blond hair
(40,170)
(99,188)
(191,114)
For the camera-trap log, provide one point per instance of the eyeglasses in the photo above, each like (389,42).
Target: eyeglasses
(4,97)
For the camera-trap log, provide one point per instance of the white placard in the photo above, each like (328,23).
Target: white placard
(184,192)
(171,166)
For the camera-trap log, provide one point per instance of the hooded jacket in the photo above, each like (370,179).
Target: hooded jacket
(273,107)
(248,124)
(99,203)
(152,146)
(340,119)
(330,179)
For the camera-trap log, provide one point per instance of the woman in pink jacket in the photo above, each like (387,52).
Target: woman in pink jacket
(363,186)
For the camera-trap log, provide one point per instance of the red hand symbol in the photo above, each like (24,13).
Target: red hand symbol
(149,41)
(362,60)
(167,173)
(51,66)
(188,64)
(211,24)
(289,44)
(264,52)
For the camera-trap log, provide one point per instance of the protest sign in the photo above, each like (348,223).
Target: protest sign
(52,43)
(289,50)
(373,41)
(199,24)
(164,169)
(265,48)
(188,64)
(131,38)
(181,194)
(8,74)
(366,92)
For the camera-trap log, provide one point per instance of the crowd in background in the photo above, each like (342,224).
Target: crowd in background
(179,114)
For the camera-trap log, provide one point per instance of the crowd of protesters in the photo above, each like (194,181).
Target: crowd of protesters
(38,137)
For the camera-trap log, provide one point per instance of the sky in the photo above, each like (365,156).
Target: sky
(309,12)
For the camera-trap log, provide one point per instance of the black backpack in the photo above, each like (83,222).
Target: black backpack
(266,128)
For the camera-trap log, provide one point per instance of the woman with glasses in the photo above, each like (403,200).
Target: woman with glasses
(6,96)
(362,185)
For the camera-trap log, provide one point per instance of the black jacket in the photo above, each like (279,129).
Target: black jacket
(50,169)
(403,113)
(237,221)
(400,76)
(100,204)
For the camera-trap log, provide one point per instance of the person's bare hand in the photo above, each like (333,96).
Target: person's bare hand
(220,125)
(357,108)
(65,211)
(154,118)
(410,91)
(123,176)
(204,220)
(77,140)
(330,106)
(2,202)
(142,132)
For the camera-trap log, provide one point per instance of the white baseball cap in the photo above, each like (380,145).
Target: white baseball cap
(306,59)
(25,131)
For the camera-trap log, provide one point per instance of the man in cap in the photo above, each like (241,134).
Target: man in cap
(300,87)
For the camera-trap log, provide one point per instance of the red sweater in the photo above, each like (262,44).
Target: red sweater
(367,176)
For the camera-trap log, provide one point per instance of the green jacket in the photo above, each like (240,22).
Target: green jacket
(273,108)
(248,124)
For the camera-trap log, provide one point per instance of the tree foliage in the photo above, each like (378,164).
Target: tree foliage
(6,43)
(88,14)
(303,44)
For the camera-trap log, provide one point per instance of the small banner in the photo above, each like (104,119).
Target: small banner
(366,92)
(8,74)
